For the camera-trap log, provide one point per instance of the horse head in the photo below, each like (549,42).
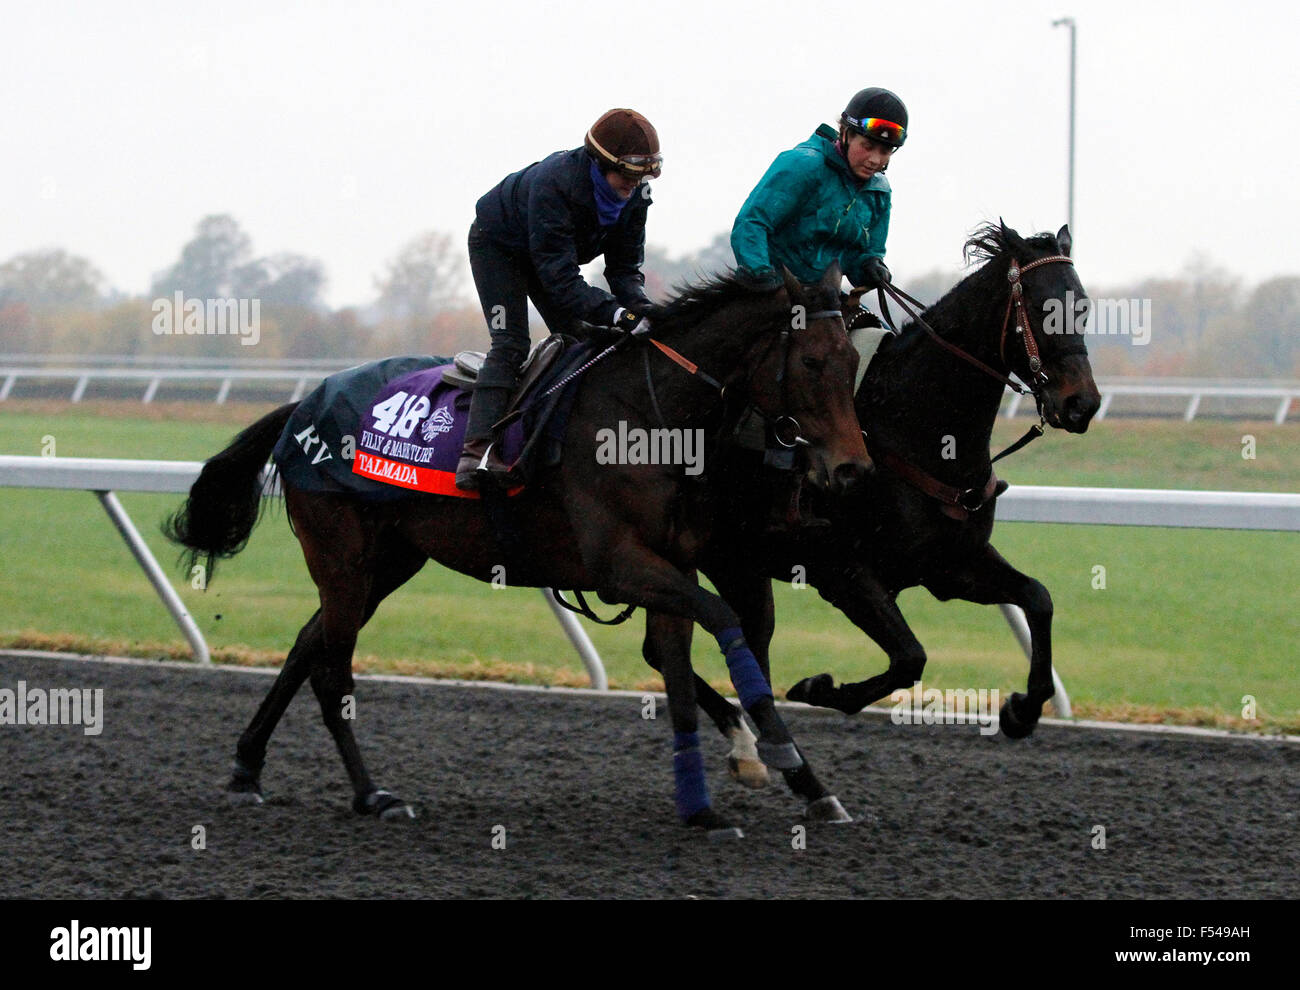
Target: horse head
(806,374)
(1044,324)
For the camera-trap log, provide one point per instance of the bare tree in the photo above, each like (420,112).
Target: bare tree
(425,278)
(48,278)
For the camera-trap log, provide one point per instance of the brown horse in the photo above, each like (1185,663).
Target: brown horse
(925,515)
(631,532)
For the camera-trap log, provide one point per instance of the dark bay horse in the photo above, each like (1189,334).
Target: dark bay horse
(925,515)
(630,532)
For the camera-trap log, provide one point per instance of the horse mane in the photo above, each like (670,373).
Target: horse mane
(988,242)
(694,302)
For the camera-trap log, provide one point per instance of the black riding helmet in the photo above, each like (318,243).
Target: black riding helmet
(877,114)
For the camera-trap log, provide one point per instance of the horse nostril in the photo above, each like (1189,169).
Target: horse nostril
(847,475)
(1079,408)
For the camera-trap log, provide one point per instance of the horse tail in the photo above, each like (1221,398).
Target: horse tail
(225,501)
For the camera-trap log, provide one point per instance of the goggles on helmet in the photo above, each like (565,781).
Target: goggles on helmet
(878,129)
(636,166)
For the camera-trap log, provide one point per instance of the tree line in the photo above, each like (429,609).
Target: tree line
(1202,322)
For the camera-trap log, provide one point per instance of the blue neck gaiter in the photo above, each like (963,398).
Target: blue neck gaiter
(609,204)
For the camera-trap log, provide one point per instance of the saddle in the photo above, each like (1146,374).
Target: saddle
(467,364)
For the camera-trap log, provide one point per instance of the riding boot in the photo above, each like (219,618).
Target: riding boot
(480,460)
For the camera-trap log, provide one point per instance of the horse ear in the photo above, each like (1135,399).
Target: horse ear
(833,277)
(1010,239)
(1064,240)
(792,285)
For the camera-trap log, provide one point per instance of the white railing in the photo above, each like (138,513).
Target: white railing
(1260,395)
(297,377)
(106,476)
(1028,503)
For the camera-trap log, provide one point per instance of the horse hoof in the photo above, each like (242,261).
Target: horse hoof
(1012,727)
(384,806)
(243,799)
(715,827)
(779,756)
(729,834)
(827,810)
(812,690)
(751,773)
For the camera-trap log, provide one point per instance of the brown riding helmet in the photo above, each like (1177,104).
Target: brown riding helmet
(625,142)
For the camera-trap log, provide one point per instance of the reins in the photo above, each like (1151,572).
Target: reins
(959,503)
(781,425)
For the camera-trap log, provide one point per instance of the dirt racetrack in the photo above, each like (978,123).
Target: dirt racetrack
(583,788)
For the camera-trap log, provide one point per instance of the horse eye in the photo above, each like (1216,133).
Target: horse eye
(813,364)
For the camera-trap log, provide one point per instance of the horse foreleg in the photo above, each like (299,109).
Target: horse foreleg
(989,580)
(631,572)
(751,595)
(668,640)
(868,604)
(742,762)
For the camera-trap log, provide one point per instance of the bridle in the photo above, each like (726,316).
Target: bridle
(785,428)
(959,503)
(1016,301)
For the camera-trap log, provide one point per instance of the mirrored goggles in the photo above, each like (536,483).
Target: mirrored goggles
(879,129)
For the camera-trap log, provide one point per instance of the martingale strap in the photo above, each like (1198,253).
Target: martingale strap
(582,608)
(957,502)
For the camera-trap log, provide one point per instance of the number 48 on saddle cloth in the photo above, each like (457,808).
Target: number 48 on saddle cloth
(413,434)
(394,428)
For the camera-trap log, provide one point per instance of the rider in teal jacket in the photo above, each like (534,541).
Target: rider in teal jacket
(813,207)
(823,202)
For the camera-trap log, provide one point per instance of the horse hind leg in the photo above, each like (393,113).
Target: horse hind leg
(354,570)
(245,786)
(348,604)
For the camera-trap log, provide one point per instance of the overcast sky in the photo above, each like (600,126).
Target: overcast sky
(341,130)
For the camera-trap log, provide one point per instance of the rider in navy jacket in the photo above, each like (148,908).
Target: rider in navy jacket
(531,233)
(547,212)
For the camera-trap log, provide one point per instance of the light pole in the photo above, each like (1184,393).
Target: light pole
(1069,213)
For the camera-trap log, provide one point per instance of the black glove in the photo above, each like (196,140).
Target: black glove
(764,280)
(877,273)
(630,323)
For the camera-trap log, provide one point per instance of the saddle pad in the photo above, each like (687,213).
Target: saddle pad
(338,422)
(414,431)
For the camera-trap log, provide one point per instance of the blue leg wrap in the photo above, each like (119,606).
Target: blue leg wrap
(751,685)
(692,793)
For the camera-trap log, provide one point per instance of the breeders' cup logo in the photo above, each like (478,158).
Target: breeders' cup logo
(440,422)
